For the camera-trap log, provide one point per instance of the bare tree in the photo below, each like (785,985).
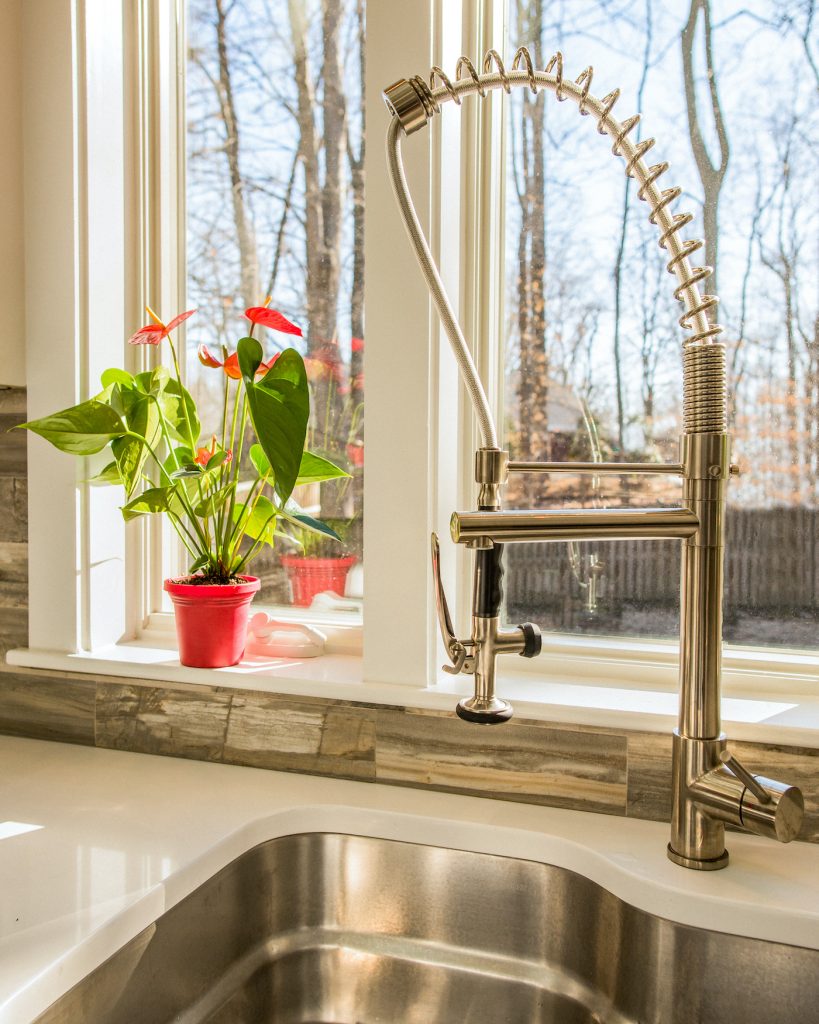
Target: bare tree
(621,249)
(533,381)
(241,215)
(712,175)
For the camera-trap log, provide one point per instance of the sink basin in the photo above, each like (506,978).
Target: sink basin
(338,929)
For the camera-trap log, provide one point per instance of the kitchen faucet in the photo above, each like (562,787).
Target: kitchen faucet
(710,787)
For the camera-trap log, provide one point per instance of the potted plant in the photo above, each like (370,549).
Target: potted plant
(321,563)
(148,423)
(335,431)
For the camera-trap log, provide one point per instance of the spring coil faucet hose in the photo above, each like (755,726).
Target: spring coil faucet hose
(413,103)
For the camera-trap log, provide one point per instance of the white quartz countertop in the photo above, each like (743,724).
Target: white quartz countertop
(96,844)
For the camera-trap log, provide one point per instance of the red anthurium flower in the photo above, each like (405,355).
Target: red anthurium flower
(153,333)
(204,455)
(231,364)
(267,317)
(357,344)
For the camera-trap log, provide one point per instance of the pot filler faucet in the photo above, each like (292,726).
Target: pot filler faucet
(710,787)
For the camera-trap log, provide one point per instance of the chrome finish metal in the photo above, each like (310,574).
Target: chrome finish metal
(744,776)
(519,526)
(406,102)
(351,930)
(489,641)
(779,817)
(599,468)
(709,788)
(491,466)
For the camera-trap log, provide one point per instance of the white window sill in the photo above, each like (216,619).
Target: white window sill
(790,719)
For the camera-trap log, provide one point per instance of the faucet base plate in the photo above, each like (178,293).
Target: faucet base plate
(698,863)
(484,712)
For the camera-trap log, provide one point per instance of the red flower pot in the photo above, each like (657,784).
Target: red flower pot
(311,576)
(211,620)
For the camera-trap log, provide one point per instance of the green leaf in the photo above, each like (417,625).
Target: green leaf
(279,410)
(84,429)
(108,475)
(293,514)
(183,457)
(200,563)
(216,460)
(116,376)
(174,400)
(189,469)
(153,382)
(210,505)
(261,522)
(260,461)
(131,453)
(152,500)
(314,469)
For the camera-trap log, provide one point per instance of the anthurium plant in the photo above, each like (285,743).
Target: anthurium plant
(149,424)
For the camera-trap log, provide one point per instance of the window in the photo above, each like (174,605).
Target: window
(275,207)
(593,363)
(106,221)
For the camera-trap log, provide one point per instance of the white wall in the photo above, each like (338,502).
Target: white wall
(12,318)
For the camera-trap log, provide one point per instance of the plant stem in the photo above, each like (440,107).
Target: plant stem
(253,548)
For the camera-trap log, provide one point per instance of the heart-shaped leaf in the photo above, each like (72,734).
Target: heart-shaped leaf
(131,453)
(84,429)
(314,469)
(116,376)
(279,410)
(175,402)
(107,476)
(152,500)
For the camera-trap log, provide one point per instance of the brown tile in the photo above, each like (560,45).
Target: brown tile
(13,402)
(12,442)
(46,708)
(797,766)
(13,510)
(649,776)
(301,734)
(13,630)
(524,761)
(13,574)
(161,720)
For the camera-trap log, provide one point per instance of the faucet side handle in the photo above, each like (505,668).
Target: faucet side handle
(767,807)
(456,649)
(744,776)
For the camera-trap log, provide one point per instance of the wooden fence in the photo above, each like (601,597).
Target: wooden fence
(771,566)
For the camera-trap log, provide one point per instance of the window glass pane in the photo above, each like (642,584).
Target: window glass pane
(275,207)
(593,357)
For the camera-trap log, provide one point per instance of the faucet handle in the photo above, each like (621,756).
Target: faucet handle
(456,649)
(744,776)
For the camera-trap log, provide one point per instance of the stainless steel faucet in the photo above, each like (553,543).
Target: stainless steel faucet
(710,787)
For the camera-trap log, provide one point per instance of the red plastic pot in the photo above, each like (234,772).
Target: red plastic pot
(311,576)
(211,620)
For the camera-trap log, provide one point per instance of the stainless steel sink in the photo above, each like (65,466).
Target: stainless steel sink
(339,929)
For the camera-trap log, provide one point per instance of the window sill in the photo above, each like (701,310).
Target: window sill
(782,719)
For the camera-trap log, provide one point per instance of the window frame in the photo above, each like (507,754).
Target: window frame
(95,110)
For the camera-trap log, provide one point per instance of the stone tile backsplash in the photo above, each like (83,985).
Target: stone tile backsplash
(13,522)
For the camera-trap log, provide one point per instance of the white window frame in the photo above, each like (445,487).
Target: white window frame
(104,229)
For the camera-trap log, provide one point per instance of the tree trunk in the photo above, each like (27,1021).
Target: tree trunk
(248,261)
(711,175)
(322,146)
(621,249)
